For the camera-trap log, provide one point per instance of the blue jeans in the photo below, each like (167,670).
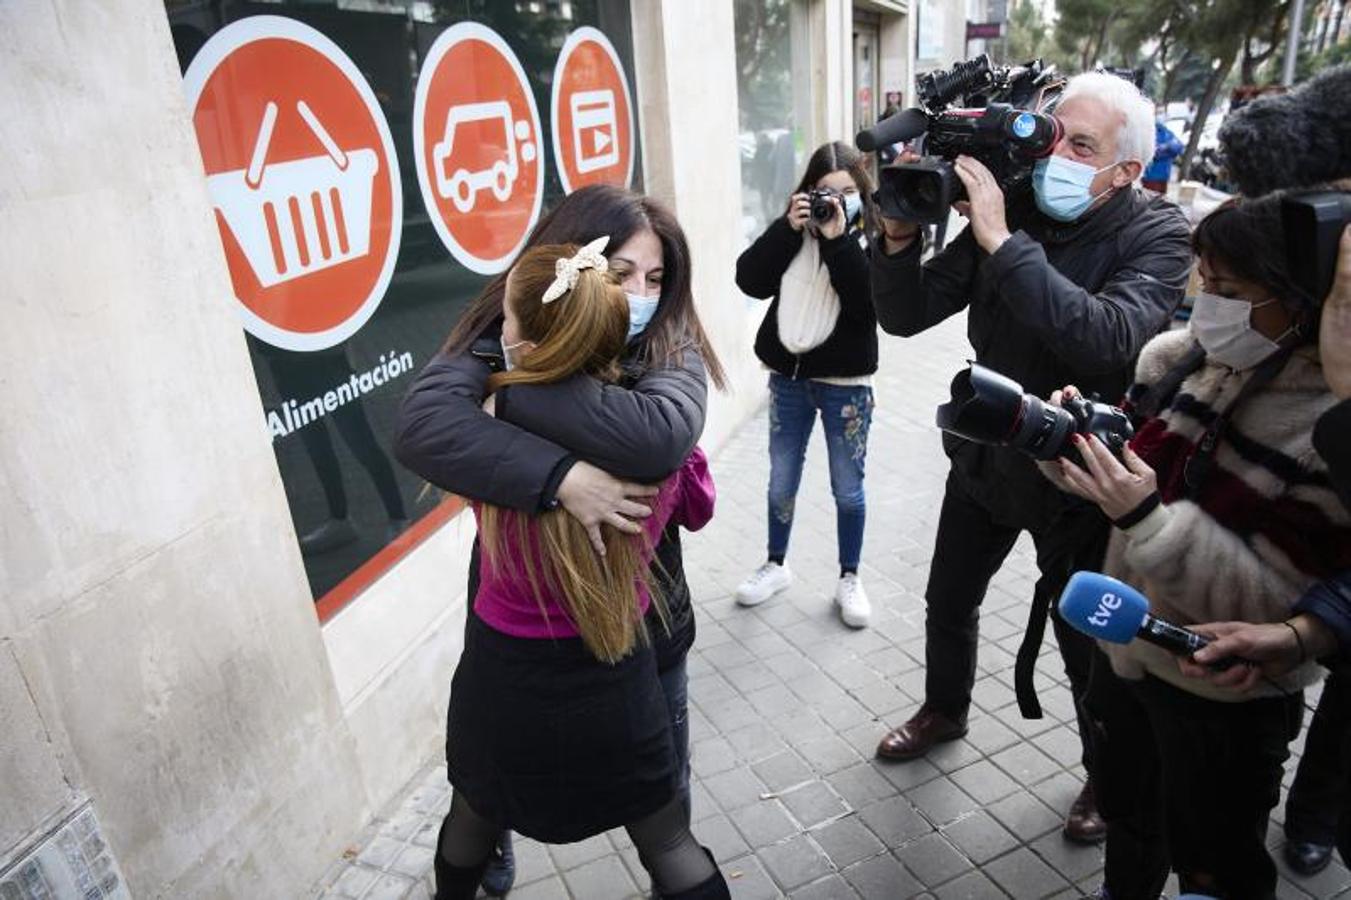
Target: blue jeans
(846,413)
(675,685)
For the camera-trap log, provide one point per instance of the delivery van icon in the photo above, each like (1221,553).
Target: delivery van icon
(298,217)
(492,146)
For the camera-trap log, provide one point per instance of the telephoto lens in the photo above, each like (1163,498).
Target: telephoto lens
(990,408)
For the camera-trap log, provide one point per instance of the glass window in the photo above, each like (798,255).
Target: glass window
(307,205)
(771,108)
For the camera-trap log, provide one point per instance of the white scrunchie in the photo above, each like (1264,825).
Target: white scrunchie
(567,270)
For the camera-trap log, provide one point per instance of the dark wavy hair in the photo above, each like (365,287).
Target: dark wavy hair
(580,218)
(1248,237)
(837,156)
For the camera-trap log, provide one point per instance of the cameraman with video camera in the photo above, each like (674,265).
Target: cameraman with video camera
(1063,286)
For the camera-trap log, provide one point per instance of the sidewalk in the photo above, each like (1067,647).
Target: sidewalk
(787,706)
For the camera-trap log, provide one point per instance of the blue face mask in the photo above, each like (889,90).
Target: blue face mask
(853,205)
(1062,187)
(641,311)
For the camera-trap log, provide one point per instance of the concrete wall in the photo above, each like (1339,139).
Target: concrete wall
(686,60)
(137,666)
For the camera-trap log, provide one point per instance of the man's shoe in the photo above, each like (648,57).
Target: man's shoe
(763,583)
(501,872)
(853,601)
(1085,825)
(925,730)
(1307,858)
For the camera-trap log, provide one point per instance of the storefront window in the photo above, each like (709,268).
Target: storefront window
(372,164)
(770,101)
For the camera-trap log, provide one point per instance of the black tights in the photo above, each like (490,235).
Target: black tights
(665,845)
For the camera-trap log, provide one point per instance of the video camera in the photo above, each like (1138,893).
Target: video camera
(1005,123)
(1313,225)
(990,408)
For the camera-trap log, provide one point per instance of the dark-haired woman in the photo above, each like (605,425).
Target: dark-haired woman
(1223,510)
(592,449)
(819,340)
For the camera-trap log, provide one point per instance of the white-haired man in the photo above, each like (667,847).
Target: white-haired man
(1063,285)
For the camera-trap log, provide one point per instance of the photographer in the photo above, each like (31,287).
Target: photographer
(1067,288)
(1224,509)
(819,340)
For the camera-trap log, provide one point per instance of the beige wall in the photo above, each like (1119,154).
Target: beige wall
(137,667)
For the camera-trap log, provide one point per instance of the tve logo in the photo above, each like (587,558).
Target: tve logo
(1106,604)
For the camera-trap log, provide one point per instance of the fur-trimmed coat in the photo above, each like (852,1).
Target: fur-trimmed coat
(1266,525)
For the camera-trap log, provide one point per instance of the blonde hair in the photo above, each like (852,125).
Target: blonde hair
(584,331)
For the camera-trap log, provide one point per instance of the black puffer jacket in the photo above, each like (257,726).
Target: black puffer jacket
(1057,304)
(641,431)
(851,348)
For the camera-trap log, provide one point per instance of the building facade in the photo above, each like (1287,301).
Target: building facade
(233,233)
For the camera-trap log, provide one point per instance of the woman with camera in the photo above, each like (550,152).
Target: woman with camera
(1223,510)
(819,340)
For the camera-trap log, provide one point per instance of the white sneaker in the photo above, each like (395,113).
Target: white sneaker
(763,583)
(853,601)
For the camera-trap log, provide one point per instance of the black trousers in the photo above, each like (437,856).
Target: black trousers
(972,544)
(1321,790)
(1186,783)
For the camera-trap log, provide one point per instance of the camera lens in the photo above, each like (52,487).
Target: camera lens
(822,209)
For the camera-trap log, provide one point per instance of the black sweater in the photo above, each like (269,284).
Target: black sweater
(851,348)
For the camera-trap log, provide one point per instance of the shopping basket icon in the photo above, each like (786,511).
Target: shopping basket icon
(298,217)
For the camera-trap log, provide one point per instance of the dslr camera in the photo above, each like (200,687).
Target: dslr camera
(990,408)
(1313,226)
(1004,121)
(822,207)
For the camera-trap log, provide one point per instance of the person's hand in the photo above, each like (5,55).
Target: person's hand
(799,211)
(1115,488)
(834,226)
(1270,650)
(1334,334)
(594,497)
(984,206)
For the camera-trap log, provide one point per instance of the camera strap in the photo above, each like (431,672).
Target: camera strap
(1199,464)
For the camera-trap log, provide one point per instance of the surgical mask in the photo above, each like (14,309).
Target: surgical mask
(853,205)
(641,311)
(506,352)
(1221,325)
(1061,186)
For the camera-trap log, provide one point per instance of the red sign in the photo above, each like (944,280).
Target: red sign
(976,31)
(302,173)
(591,113)
(476,142)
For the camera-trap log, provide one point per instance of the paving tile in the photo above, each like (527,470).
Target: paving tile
(980,837)
(353,882)
(390,886)
(971,886)
(602,879)
(984,781)
(735,789)
(570,856)
(795,862)
(549,889)
(764,823)
(783,770)
(933,859)
(882,878)
(748,880)
(894,821)
(941,801)
(846,841)
(832,887)
(1026,816)
(813,803)
(828,754)
(860,785)
(1022,873)
(719,835)
(1073,861)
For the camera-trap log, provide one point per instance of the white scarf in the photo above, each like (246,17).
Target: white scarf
(808,304)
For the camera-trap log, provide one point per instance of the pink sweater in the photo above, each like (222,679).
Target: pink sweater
(505,601)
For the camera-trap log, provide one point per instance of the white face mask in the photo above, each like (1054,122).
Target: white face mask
(1222,326)
(641,311)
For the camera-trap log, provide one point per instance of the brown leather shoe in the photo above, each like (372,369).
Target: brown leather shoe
(923,732)
(1084,825)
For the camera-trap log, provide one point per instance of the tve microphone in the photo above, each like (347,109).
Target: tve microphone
(903,126)
(1110,610)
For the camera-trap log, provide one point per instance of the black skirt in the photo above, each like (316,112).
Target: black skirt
(545,739)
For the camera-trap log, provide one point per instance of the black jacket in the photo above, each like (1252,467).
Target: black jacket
(518,457)
(851,348)
(1057,304)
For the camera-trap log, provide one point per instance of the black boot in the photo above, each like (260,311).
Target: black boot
(712,888)
(454,882)
(501,871)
